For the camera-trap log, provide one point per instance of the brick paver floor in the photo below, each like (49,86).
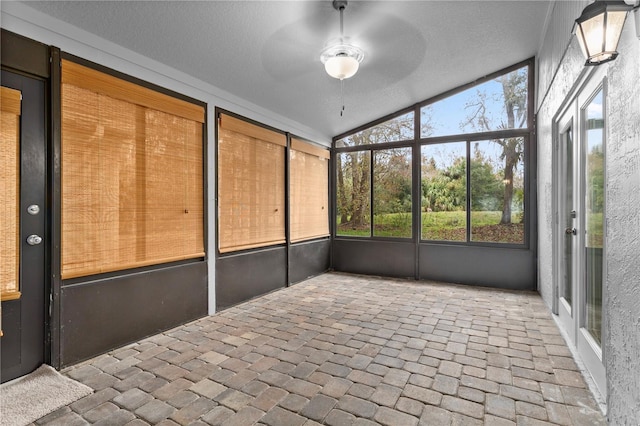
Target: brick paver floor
(346,350)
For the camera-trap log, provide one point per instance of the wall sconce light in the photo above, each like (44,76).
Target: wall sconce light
(599,27)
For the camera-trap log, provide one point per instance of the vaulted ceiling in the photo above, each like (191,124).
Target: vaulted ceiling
(268,52)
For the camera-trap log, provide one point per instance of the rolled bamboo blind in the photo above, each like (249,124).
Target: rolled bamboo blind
(251,192)
(95,81)
(132,175)
(10,107)
(308,191)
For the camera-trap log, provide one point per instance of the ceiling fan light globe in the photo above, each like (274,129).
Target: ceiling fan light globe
(341,66)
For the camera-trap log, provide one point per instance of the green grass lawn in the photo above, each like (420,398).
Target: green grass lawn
(443,226)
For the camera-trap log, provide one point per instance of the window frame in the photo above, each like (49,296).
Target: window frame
(527,132)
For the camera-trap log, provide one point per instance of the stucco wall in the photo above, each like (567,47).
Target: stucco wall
(557,77)
(622,345)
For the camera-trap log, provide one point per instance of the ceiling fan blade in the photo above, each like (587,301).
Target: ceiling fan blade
(294,50)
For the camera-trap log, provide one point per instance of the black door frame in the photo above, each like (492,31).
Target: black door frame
(24,57)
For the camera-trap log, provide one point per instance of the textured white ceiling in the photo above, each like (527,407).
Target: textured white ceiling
(268,52)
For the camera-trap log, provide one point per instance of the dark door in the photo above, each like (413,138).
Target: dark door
(24,214)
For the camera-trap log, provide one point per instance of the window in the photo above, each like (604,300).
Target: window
(497,191)
(594,191)
(132,175)
(392,193)
(477,187)
(354,193)
(386,171)
(444,192)
(394,130)
(471,156)
(251,198)
(309,195)
(497,104)
(10,107)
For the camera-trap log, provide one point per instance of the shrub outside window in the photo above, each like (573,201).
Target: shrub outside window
(444,192)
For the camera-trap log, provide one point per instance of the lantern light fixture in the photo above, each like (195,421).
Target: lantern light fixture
(599,27)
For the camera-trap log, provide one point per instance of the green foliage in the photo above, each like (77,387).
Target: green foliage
(486,184)
(595,173)
(445,190)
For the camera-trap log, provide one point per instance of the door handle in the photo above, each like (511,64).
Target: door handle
(34,240)
(571,231)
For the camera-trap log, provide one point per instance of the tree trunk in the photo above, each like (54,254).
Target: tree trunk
(511,156)
(510,152)
(508,193)
(342,196)
(357,218)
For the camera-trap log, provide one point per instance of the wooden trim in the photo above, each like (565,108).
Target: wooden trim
(310,237)
(123,266)
(11,100)
(99,82)
(251,246)
(308,148)
(14,295)
(233,124)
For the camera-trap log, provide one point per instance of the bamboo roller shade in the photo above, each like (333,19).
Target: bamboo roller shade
(308,148)
(251,197)
(95,81)
(132,179)
(308,191)
(242,127)
(10,103)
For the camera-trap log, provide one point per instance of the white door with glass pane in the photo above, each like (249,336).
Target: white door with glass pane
(580,230)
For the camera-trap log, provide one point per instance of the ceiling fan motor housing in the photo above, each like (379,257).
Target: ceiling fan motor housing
(340,4)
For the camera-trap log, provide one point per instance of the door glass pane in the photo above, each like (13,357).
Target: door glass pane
(354,194)
(567,202)
(444,191)
(497,191)
(392,193)
(594,212)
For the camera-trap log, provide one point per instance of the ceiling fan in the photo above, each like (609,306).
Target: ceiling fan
(341,59)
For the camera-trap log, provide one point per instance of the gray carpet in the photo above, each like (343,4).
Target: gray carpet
(26,399)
